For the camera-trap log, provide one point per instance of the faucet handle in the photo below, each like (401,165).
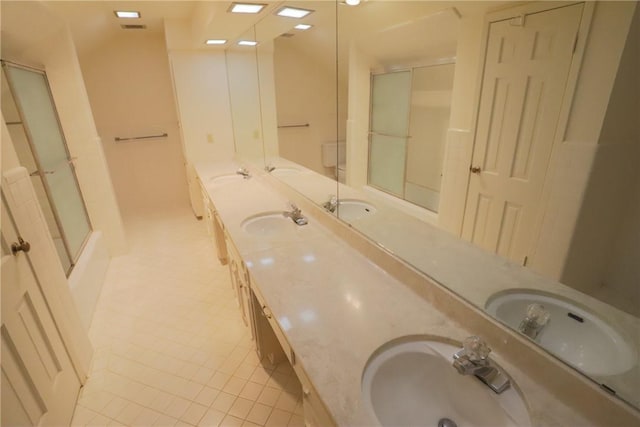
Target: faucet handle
(537,313)
(293,207)
(476,348)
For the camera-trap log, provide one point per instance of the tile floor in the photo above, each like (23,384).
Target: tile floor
(170,345)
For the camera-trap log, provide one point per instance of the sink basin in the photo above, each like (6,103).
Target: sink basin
(411,382)
(278,171)
(225,179)
(572,333)
(353,209)
(268,224)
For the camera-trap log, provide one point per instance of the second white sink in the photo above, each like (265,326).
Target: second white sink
(268,224)
(353,209)
(573,334)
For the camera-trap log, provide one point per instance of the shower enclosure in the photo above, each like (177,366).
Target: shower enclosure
(32,120)
(409,119)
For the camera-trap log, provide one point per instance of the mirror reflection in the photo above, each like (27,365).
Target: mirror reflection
(298,85)
(464,125)
(244,94)
(409,120)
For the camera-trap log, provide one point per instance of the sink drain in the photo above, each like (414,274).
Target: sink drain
(446,422)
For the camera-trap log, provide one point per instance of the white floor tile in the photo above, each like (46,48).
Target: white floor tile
(167,334)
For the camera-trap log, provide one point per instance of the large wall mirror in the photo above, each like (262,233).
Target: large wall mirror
(244,97)
(299,98)
(431,129)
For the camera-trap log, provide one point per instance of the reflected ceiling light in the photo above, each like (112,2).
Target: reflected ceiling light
(292,12)
(352,2)
(303,26)
(127,14)
(247,43)
(246,7)
(215,41)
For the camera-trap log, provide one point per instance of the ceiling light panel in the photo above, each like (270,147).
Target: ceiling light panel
(246,7)
(215,41)
(292,12)
(127,14)
(303,27)
(247,43)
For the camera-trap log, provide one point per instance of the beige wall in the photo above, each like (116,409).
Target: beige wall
(129,87)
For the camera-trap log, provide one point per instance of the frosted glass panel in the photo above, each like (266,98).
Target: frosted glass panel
(386,163)
(430,111)
(390,103)
(32,96)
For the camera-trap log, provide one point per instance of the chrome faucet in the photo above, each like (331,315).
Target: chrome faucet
(473,359)
(332,204)
(244,172)
(269,168)
(534,321)
(296,215)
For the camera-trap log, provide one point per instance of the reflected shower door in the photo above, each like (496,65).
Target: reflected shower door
(33,99)
(390,106)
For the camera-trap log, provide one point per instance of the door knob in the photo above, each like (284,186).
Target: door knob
(20,246)
(475,169)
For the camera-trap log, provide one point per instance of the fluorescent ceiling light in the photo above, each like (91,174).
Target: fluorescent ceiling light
(215,41)
(292,12)
(352,2)
(126,14)
(303,26)
(247,43)
(246,7)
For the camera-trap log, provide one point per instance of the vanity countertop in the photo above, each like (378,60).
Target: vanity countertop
(336,307)
(467,270)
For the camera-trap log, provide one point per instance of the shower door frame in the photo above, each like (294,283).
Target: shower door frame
(41,172)
(389,70)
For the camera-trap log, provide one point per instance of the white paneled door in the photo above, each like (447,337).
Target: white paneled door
(39,383)
(526,69)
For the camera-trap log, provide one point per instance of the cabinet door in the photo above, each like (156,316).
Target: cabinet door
(267,344)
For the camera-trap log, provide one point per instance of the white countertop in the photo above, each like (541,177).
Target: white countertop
(336,307)
(472,273)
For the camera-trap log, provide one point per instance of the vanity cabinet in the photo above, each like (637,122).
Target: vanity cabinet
(240,282)
(215,227)
(272,343)
(315,413)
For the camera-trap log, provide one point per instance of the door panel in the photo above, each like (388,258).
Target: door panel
(39,383)
(526,69)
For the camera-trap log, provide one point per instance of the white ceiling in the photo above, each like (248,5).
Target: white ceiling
(389,30)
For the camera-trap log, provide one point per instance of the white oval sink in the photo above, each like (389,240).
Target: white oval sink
(278,171)
(411,382)
(226,179)
(353,209)
(572,333)
(268,224)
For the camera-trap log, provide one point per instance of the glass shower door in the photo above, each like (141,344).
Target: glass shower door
(390,96)
(37,111)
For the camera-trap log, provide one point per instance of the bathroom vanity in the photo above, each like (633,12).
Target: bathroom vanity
(329,301)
